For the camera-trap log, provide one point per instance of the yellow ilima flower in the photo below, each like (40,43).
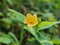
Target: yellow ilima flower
(31,20)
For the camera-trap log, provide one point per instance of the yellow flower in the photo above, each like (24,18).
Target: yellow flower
(31,20)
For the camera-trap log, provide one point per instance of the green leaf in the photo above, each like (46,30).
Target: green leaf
(44,36)
(31,30)
(6,39)
(31,39)
(10,2)
(16,16)
(46,24)
(56,39)
(1,14)
(13,2)
(49,16)
(45,42)
(14,37)
(7,22)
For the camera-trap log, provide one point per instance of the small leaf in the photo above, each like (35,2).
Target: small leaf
(6,39)
(46,24)
(31,39)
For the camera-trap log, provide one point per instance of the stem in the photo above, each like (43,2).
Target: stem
(21,36)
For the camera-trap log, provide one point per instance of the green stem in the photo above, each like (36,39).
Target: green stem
(21,36)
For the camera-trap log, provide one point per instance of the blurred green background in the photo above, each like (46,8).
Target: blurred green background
(11,26)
